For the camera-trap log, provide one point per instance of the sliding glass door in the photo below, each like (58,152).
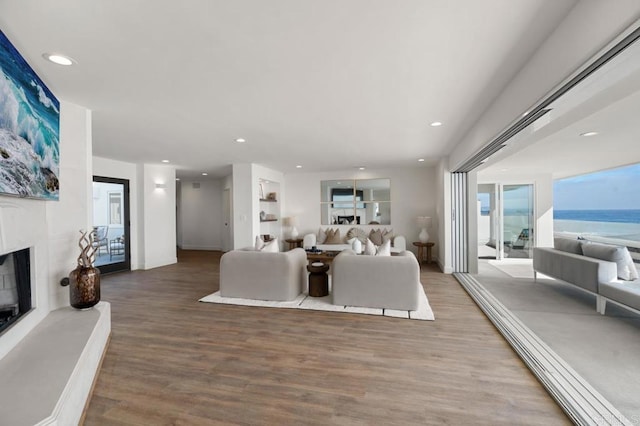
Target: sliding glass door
(517,221)
(505,221)
(489,234)
(111,224)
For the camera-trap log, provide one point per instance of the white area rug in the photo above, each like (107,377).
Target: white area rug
(304,301)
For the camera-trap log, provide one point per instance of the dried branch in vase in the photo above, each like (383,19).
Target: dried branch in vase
(87,250)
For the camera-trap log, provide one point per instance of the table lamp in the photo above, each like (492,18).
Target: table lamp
(292,224)
(424,222)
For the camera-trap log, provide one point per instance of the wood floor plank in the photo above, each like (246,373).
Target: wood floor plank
(173,360)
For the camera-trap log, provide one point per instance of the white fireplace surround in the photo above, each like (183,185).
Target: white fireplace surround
(60,361)
(50,356)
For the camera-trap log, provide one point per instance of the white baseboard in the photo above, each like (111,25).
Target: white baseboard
(444,269)
(159,263)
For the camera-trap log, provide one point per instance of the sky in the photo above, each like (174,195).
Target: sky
(606,190)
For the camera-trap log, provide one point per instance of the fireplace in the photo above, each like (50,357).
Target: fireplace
(15,287)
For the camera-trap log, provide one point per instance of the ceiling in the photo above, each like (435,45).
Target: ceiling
(326,85)
(607,102)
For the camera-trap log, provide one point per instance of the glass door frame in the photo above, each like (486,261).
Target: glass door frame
(501,205)
(124,265)
(499,190)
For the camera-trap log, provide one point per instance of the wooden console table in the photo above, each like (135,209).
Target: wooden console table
(424,251)
(294,242)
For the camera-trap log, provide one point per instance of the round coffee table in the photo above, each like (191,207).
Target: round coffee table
(318,279)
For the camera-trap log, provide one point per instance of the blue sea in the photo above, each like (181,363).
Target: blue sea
(29,129)
(616,216)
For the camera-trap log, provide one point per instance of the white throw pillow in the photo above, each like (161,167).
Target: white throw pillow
(387,234)
(321,237)
(271,246)
(356,245)
(619,255)
(259,243)
(384,249)
(370,248)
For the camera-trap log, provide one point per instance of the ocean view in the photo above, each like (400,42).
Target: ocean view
(615,224)
(620,216)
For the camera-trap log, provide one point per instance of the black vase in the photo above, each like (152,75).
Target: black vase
(84,287)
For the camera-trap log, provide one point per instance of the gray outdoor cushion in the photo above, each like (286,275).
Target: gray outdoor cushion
(617,254)
(568,245)
(625,293)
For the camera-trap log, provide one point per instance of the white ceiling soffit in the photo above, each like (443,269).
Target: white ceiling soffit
(324,84)
(607,102)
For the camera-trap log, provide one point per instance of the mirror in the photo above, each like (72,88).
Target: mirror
(355,202)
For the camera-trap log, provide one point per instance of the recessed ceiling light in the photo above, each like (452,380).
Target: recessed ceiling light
(588,134)
(361,168)
(165,161)
(298,166)
(205,174)
(241,140)
(421,160)
(58,59)
(177,178)
(504,170)
(435,124)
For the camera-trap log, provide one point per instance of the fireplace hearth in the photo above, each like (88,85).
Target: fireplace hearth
(15,287)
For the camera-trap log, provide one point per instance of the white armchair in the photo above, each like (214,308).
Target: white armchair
(251,274)
(390,282)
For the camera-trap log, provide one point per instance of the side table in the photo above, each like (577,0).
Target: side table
(424,255)
(318,279)
(294,242)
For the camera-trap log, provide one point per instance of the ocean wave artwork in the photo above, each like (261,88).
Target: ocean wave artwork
(29,129)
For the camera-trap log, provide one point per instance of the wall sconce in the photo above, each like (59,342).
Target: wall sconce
(161,186)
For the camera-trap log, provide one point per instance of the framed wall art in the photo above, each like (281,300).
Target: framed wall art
(29,130)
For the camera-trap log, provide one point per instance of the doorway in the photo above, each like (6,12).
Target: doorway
(505,221)
(111,225)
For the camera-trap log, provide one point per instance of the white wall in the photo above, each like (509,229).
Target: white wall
(243,216)
(50,228)
(227,185)
(158,215)
(413,194)
(442,217)
(200,215)
(122,170)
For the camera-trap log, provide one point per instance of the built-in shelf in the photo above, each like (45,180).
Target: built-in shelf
(266,200)
(268,220)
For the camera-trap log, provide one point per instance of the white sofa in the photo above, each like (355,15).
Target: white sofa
(390,282)
(251,274)
(398,245)
(566,262)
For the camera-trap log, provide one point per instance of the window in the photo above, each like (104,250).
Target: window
(115,208)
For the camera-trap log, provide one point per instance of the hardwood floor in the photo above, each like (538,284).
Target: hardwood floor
(175,361)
